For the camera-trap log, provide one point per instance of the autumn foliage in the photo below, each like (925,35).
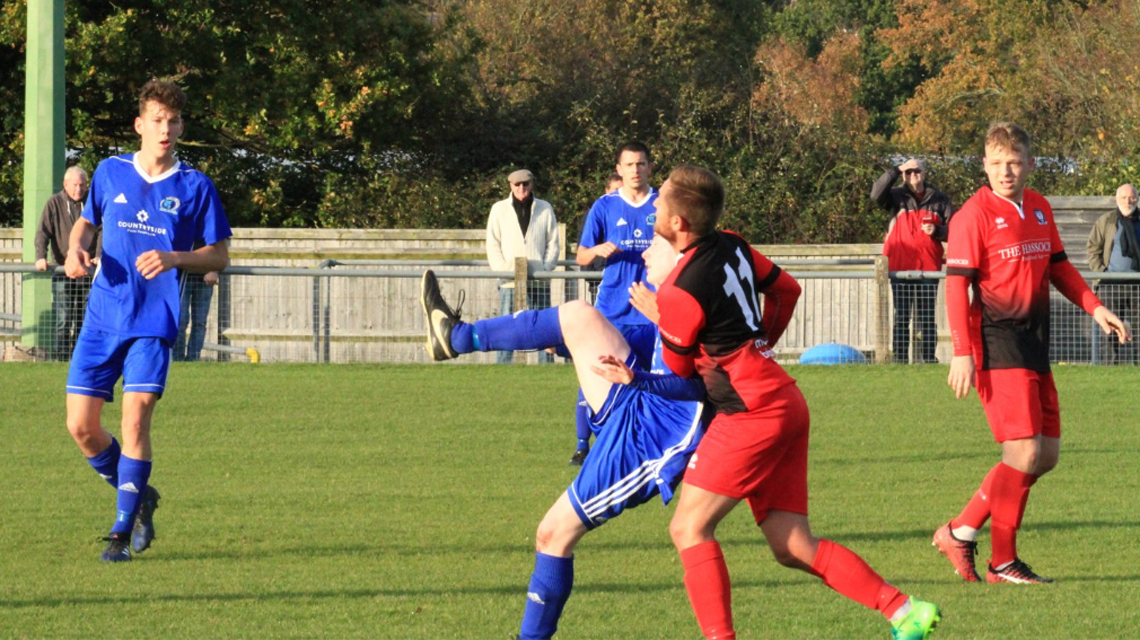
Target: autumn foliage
(402,113)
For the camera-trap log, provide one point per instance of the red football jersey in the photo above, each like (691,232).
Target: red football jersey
(711,318)
(908,247)
(1007,253)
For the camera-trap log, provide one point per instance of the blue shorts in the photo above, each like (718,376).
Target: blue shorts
(100,358)
(643,445)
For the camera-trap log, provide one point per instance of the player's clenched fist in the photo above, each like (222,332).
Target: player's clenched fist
(153,262)
(77,263)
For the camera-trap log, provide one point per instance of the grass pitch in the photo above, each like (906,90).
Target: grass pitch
(307,501)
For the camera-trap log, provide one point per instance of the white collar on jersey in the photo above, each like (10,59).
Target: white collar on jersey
(1017,205)
(159,178)
(648,197)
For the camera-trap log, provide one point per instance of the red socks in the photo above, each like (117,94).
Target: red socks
(706,581)
(843,570)
(977,510)
(1008,496)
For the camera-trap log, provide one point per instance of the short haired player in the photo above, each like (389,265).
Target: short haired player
(616,231)
(1004,246)
(756,447)
(152,208)
(648,420)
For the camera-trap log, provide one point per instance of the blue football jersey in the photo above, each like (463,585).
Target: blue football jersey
(614,219)
(139,213)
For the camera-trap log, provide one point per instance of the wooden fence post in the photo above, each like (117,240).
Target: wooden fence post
(882,310)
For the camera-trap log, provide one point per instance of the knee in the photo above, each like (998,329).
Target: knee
(543,538)
(794,555)
(1045,464)
(573,314)
(784,555)
(1024,459)
(83,429)
(686,533)
(553,540)
(88,435)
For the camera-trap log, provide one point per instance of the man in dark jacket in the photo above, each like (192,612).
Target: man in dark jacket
(913,242)
(1113,248)
(68,296)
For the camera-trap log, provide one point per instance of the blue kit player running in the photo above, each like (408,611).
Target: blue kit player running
(648,422)
(617,229)
(152,209)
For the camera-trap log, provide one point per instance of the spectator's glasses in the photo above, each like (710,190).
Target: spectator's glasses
(910,172)
(523,184)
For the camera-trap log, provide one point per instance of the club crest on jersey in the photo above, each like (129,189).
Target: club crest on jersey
(170,205)
(1040,216)
(652,218)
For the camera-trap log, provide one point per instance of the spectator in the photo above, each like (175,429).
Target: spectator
(196,291)
(522,226)
(918,228)
(68,296)
(1113,247)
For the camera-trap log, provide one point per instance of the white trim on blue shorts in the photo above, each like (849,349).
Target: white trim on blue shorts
(640,477)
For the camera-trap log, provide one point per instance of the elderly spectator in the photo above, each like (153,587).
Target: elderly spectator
(522,226)
(68,296)
(1113,248)
(914,239)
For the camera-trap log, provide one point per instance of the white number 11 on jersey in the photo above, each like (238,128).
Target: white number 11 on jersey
(740,286)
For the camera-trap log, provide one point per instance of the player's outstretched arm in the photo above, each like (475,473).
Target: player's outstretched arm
(670,386)
(613,369)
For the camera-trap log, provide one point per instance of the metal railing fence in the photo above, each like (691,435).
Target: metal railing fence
(341,311)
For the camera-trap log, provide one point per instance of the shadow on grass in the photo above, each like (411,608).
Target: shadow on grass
(443,591)
(906,459)
(735,540)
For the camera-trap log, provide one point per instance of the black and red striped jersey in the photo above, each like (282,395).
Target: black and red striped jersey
(712,320)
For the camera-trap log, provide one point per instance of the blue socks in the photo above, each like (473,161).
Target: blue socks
(133,476)
(524,331)
(106,464)
(548,592)
(463,338)
(582,421)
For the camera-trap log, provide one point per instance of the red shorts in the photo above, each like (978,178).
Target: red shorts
(1019,403)
(760,456)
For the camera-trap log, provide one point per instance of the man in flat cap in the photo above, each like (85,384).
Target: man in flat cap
(522,226)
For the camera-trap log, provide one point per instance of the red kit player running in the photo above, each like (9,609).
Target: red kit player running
(756,446)
(1004,244)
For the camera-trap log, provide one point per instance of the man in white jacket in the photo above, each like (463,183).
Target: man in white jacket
(522,226)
